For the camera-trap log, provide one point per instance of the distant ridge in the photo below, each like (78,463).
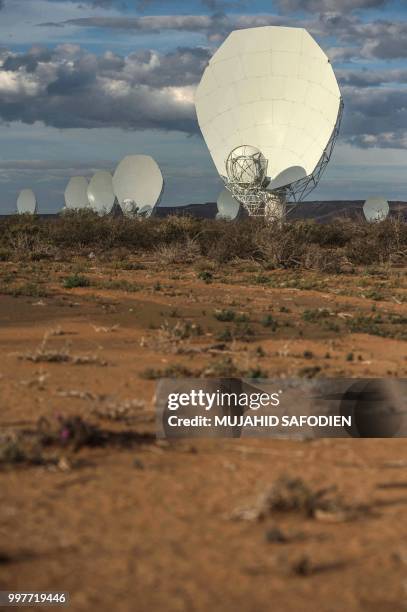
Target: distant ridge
(201,211)
(322,212)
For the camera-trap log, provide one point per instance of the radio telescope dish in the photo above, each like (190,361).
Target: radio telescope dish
(287,177)
(100,192)
(145,211)
(137,182)
(271,89)
(76,193)
(26,202)
(376,209)
(228,207)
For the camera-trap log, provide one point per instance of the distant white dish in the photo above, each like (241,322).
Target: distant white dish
(287,177)
(376,209)
(100,192)
(137,182)
(228,207)
(26,202)
(76,193)
(145,211)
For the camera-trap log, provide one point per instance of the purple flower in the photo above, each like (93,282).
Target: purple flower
(65,434)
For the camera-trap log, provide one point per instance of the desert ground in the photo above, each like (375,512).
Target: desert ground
(93,504)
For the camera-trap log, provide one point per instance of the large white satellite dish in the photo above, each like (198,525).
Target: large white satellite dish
(100,192)
(228,207)
(137,182)
(26,202)
(76,193)
(272,91)
(376,209)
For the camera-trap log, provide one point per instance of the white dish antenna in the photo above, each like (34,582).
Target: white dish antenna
(137,183)
(26,202)
(76,193)
(145,211)
(228,207)
(271,92)
(100,192)
(376,209)
(287,177)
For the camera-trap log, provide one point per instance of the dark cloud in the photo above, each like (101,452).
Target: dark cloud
(181,67)
(328,5)
(375,116)
(103,3)
(97,3)
(92,3)
(142,5)
(356,38)
(224,5)
(74,80)
(385,40)
(71,88)
(371,78)
(213,5)
(216,26)
(29,61)
(148,24)
(84,3)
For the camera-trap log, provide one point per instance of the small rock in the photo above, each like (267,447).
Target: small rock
(303,566)
(64,464)
(400,556)
(276,535)
(163,444)
(138,464)
(5,558)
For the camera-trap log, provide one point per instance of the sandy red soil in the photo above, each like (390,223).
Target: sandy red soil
(148,526)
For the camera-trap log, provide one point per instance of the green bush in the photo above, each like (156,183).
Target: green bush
(76,280)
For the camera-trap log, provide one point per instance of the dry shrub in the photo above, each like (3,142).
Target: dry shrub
(331,261)
(183,251)
(278,248)
(224,241)
(205,264)
(60,355)
(26,242)
(44,443)
(378,243)
(174,228)
(290,494)
(293,244)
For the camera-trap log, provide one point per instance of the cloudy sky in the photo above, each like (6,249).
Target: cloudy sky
(85,82)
